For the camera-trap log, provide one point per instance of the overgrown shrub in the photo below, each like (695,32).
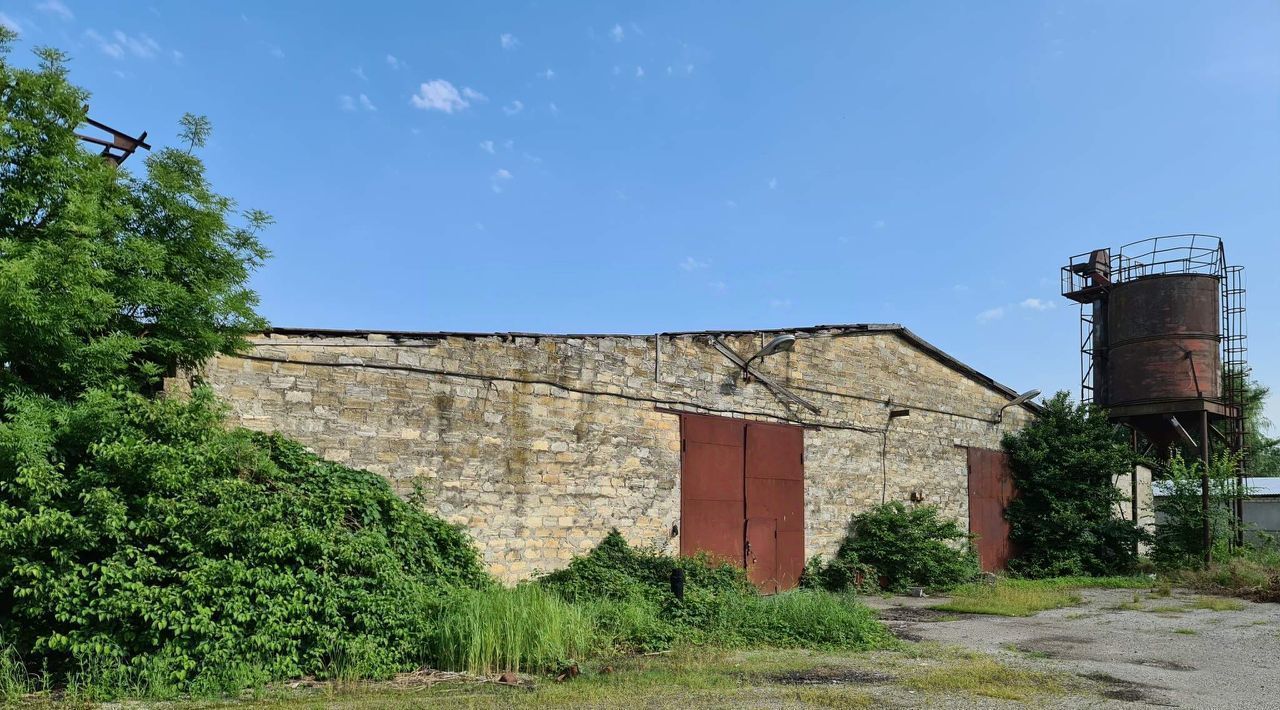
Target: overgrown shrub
(140,534)
(614,569)
(840,575)
(628,594)
(1064,520)
(899,547)
(1252,574)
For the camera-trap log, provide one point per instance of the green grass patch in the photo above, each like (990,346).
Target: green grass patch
(1023,597)
(1007,598)
(1186,632)
(986,677)
(1216,604)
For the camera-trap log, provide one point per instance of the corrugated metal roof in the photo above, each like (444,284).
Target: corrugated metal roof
(1261,486)
(846,329)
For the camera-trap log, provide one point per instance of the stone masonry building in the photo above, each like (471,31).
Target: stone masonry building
(540,444)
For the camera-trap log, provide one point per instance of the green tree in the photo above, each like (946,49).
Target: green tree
(144,546)
(107,276)
(1261,452)
(1179,539)
(1064,520)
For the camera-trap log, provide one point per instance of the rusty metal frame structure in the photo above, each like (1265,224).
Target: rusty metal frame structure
(1088,278)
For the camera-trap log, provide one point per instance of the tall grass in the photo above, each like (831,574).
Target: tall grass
(801,618)
(525,629)
(15,681)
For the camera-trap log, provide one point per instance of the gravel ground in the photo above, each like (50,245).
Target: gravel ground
(1156,657)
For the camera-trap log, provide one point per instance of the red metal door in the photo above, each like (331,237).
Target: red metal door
(775,491)
(742,484)
(712,499)
(762,554)
(990,490)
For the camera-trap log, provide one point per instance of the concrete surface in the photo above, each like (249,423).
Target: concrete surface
(1149,658)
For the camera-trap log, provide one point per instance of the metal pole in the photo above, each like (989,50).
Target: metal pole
(1206,530)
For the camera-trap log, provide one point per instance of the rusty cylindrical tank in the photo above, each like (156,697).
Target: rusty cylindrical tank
(1162,339)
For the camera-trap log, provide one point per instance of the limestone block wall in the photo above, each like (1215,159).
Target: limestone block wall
(540,444)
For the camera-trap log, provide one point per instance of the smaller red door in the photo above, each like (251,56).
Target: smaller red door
(990,490)
(762,554)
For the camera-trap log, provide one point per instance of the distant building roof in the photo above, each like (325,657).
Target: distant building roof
(1258,487)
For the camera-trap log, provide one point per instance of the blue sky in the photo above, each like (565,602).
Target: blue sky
(628,167)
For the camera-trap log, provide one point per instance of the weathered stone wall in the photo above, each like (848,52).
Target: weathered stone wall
(540,445)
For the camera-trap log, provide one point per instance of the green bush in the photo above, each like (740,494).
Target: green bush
(141,535)
(1063,521)
(628,594)
(899,547)
(522,629)
(616,570)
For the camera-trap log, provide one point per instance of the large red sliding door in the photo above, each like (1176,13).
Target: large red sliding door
(742,496)
(990,490)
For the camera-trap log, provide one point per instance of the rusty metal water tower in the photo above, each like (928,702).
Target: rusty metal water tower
(1163,343)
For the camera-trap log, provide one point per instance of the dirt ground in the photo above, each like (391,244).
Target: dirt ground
(1155,652)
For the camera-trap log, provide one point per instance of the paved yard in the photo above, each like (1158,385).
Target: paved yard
(1156,651)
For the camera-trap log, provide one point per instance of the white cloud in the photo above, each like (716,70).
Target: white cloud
(276,51)
(960,288)
(617,34)
(393,62)
(639,72)
(359,72)
(350,103)
(991,314)
(513,108)
(54,7)
(471,94)
(636,28)
(718,286)
(509,41)
(773,183)
(780,303)
(731,204)
(487,146)
(532,158)
(691,264)
(549,74)
(1036,304)
(617,70)
(121,44)
(508,144)
(499,179)
(879,224)
(178,57)
(555,110)
(440,95)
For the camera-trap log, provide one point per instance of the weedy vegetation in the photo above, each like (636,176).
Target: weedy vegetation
(1024,597)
